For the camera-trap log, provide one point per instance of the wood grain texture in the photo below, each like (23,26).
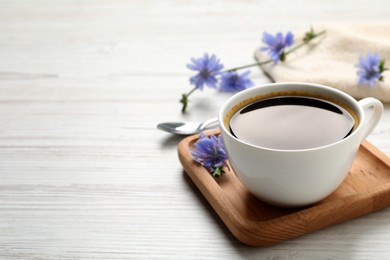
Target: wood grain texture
(85,174)
(366,189)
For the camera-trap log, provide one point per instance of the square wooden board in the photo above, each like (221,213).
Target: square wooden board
(253,222)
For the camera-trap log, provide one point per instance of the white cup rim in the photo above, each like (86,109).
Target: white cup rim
(340,94)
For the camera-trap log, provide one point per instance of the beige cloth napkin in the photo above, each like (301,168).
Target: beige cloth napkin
(330,59)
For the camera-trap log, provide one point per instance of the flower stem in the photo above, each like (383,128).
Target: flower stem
(184,100)
(305,41)
(248,66)
(309,36)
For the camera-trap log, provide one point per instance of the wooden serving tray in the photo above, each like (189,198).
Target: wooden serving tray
(253,222)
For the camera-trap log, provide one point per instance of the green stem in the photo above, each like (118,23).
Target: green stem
(304,43)
(308,38)
(189,93)
(184,100)
(248,66)
(285,54)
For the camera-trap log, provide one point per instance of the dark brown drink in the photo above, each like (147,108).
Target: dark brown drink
(291,123)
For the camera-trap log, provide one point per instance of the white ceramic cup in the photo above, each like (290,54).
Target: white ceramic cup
(293,178)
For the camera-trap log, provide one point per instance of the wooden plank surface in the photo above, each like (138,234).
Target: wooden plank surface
(85,174)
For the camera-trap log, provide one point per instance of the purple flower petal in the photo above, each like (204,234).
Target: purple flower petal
(234,82)
(368,69)
(210,152)
(276,44)
(289,40)
(208,67)
(268,39)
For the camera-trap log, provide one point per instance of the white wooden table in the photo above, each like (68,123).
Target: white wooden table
(85,174)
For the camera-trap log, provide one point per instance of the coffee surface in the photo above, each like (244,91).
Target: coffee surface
(291,123)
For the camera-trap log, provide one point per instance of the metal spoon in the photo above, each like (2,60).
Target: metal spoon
(187,128)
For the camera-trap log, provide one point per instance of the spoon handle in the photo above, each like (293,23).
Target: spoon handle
(209,123)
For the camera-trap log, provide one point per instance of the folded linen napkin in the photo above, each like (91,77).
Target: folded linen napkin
(330,59)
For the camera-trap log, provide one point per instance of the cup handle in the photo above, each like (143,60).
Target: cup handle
(371,119)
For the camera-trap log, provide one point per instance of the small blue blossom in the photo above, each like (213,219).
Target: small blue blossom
(231,81)
(210,71)
(208,67)
(277,44)
(369,69)
(210,152)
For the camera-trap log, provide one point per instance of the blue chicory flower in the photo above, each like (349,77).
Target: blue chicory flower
(369,69)
(208,67)
(277,44)
(231,81)
(210,152)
